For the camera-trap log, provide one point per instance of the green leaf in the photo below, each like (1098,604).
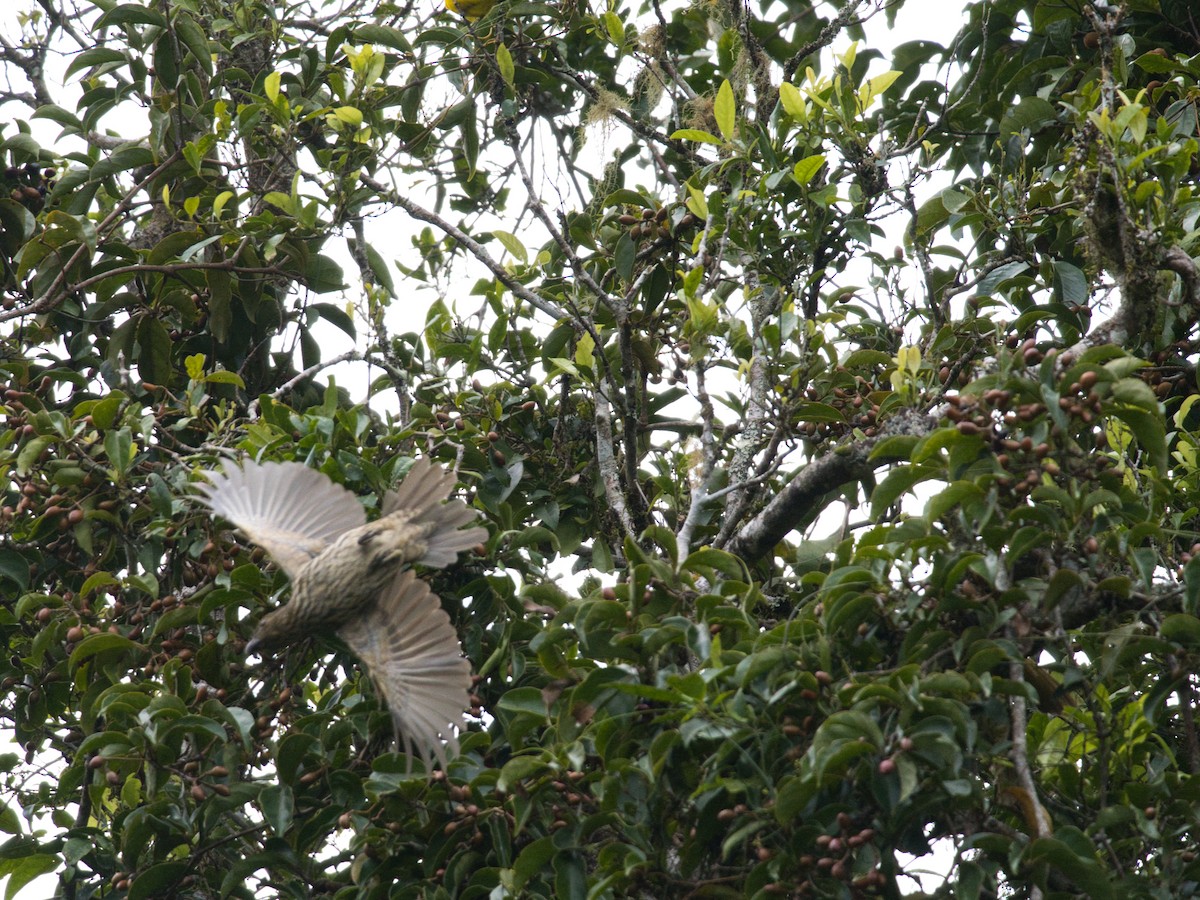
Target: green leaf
(1030,115)
(519,769)
(879,84)
(194,38)
(526,700)
(25,870)
(512,244)
(220,298)
(1076,863)
(1135,392)
(531,861)
(159,880)
(290,754)
(570,877)
(57,114)
(194,365)
(121,161)
(710,558)
(276,803)
(382,34)
(1158,64)
(131,792)
(96,582)
(614,26)
(118,446)
(584,356)
(281,200)
(131,14)
(15,568)
(10,822)
(323,275)
(898,482)
(101,57)
(1149,430)
(104,642)
(1070,284)
(1182,629)
(153,351)
(336,316)
(380,270)
(470,143)
(224,376)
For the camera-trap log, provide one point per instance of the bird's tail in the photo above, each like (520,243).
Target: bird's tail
(413,656)
(421,494)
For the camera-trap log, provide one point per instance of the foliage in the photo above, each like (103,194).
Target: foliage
(807,554)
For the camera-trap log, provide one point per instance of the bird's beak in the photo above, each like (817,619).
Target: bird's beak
(253,646)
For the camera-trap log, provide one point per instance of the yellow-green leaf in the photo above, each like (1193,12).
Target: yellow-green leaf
(131,791)
(807,168)
(697,203)
(280,199)
(505,61)
(847,58)
(615,27)
(271,86)
(584,351)
(224,376)
(220,201)
(695,134)
(195,366)
(880,83)
(351,115)
(793,102)
(725,110)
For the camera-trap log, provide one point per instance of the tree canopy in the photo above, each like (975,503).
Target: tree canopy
(832,413)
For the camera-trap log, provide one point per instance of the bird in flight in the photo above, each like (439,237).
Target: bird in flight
(356,578)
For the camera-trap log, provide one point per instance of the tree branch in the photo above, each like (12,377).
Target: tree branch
(606,460)
(477,249)
(849,461)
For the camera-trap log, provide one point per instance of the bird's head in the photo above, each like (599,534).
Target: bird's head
(269,634)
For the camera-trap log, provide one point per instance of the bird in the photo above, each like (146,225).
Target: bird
(355,578)
(471,10)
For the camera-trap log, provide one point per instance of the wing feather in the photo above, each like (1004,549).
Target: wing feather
(290,510)
(413,656)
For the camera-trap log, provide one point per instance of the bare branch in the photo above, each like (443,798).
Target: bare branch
(708,464)
(348,356)
(477,250)
(763,302)
(606,459)
(1035,812)
(826,37)
(850,461)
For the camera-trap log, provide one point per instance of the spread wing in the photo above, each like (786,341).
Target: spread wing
(291,511)
(413,656)
(421,494)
